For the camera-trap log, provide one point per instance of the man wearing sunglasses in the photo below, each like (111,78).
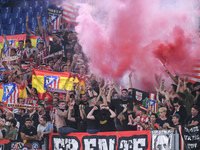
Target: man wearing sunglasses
(180,109)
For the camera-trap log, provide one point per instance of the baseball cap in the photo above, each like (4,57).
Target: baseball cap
(176,115)
(13,121)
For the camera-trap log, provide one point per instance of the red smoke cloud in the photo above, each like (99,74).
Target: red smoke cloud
(137,35)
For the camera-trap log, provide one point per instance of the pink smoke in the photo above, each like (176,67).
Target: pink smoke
(137,35)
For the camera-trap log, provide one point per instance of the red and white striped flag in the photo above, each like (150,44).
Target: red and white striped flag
(54,18)
(193,74)
(69,13)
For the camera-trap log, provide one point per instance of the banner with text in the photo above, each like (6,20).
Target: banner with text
(140,140)
(191,137)
(20,145)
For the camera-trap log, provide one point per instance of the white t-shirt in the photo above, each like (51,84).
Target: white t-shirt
(41,128)
(31,50)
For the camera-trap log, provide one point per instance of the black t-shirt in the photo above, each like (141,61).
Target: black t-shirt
(54,47)
(183,114)
(75,113)
(69,47)
(21,119)
(162,122)
(126,121)
(119,105)
(91,124)
(21,122)
(198,98)
(105,122)
(190,120)
(32,131)
(35,118)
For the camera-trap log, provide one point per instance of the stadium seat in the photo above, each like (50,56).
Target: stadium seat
(20,21)
(11,29)
(7,21)
(6,10)
(15,16)
(21,28)
(28,9)
(32,26)
(25,15)
(33,20)
(4,15)
(46,4)
(2,31)
(24,4)
(44,19)
(34,4)
(39,9)
(17,10)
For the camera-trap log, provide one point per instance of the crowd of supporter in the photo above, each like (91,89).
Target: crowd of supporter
(101,107)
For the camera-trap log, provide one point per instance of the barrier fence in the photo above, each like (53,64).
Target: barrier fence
(184,138)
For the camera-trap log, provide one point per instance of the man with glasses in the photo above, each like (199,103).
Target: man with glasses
(21,52)
(180,109)
(119,105)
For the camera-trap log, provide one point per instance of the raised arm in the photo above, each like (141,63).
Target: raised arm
(70,118)
(116,88)
(109,94)
(130,80)
(171,76)
(7,43)
(90,114)
(162,85)
(27,26)
(82,112)
(112,113)
(157,96)
(185,82)
(179,85)
(39,24)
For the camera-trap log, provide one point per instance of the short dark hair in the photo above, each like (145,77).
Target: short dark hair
(56,93)
(73,91)
(42,105)
(189,84)
(28,41)
(125,90)
(19,99)
(42,43)
(196,84)
(72,96)
(23,110)
(28,119)
(56,98)
(14,50)
(174,87)
(13,121)
(44,118)
(50,60)
(21,41)
(61,102)
(176,100)
(154,114)
(64,66)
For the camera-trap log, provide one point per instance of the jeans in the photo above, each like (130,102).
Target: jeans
(91,131)
(66,130)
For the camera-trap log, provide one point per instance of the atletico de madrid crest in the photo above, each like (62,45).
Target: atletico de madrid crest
(138,96)
(51,81)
